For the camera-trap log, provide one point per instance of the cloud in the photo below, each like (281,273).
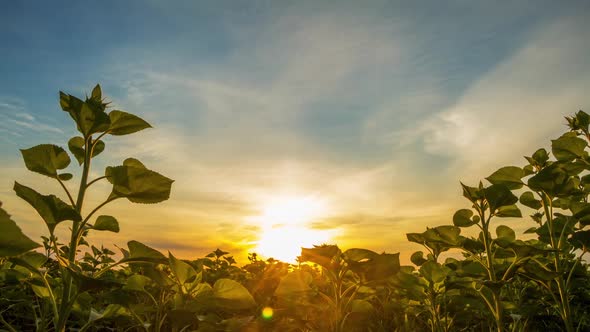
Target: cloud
(516,107)
(16,120)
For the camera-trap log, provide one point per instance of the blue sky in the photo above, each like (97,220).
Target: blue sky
(379,108)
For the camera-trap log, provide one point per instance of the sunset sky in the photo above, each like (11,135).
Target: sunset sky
(290,122)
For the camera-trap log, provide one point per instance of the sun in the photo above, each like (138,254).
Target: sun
(286,226)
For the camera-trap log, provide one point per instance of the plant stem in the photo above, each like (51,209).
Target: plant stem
(67,191)
(66,294)
(487,241)
(564,305)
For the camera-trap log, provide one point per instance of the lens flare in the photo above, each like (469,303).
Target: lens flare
(267,313)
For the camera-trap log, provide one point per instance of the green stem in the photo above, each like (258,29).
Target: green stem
(85,221)
(66,294)
(66,190)
(7,325)
(487,241)
(563,303)
(95,180)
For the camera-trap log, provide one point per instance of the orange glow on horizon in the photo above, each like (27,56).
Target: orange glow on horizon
(286,226)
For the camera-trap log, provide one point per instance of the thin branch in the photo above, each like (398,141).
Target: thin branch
(85,221)
(95,180)
(67,191)
(7,325)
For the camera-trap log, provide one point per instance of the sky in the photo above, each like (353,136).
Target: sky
(355,120)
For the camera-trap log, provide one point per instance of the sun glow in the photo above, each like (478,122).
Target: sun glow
(286,226)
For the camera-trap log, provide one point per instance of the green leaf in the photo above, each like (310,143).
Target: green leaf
(97,93)
(553,180)
(322,255)
(434,272)
(294,284)
(12,240)
(89,115)
(462,218)
(111,311)
(579,122)
(510,176)
(87,283)
(52,209)
(230,294)
(528,199)
(581,240)
(33,259)
(139,252)
(182,271)
(568,148)
(471,193)
(509,211)
(361,307)
(418,258)
(415,237)
(46,159)
(76,146)
(539,158)
(123,123)
(498,195)
(65,176)
(506,233)
(106,223)
(137,183)
(371,266)
(537,272)
(98,148)
(137,283)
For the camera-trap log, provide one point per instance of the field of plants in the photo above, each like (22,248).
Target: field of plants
(501,283)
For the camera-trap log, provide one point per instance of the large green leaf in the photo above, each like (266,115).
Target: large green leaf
(294,284)
(139,252)
(138,184)
(12,240)
(230,294)
(182,271)
(568,147)
(498,195)
(46,159)
(510,176)
(52,209)
(322,255)
(123,123)
(439,239)
(137,283)
(434,272)
(371,266)
(106,223)
(552,180)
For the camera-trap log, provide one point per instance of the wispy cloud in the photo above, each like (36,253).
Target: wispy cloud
(515,108)
(15,119)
